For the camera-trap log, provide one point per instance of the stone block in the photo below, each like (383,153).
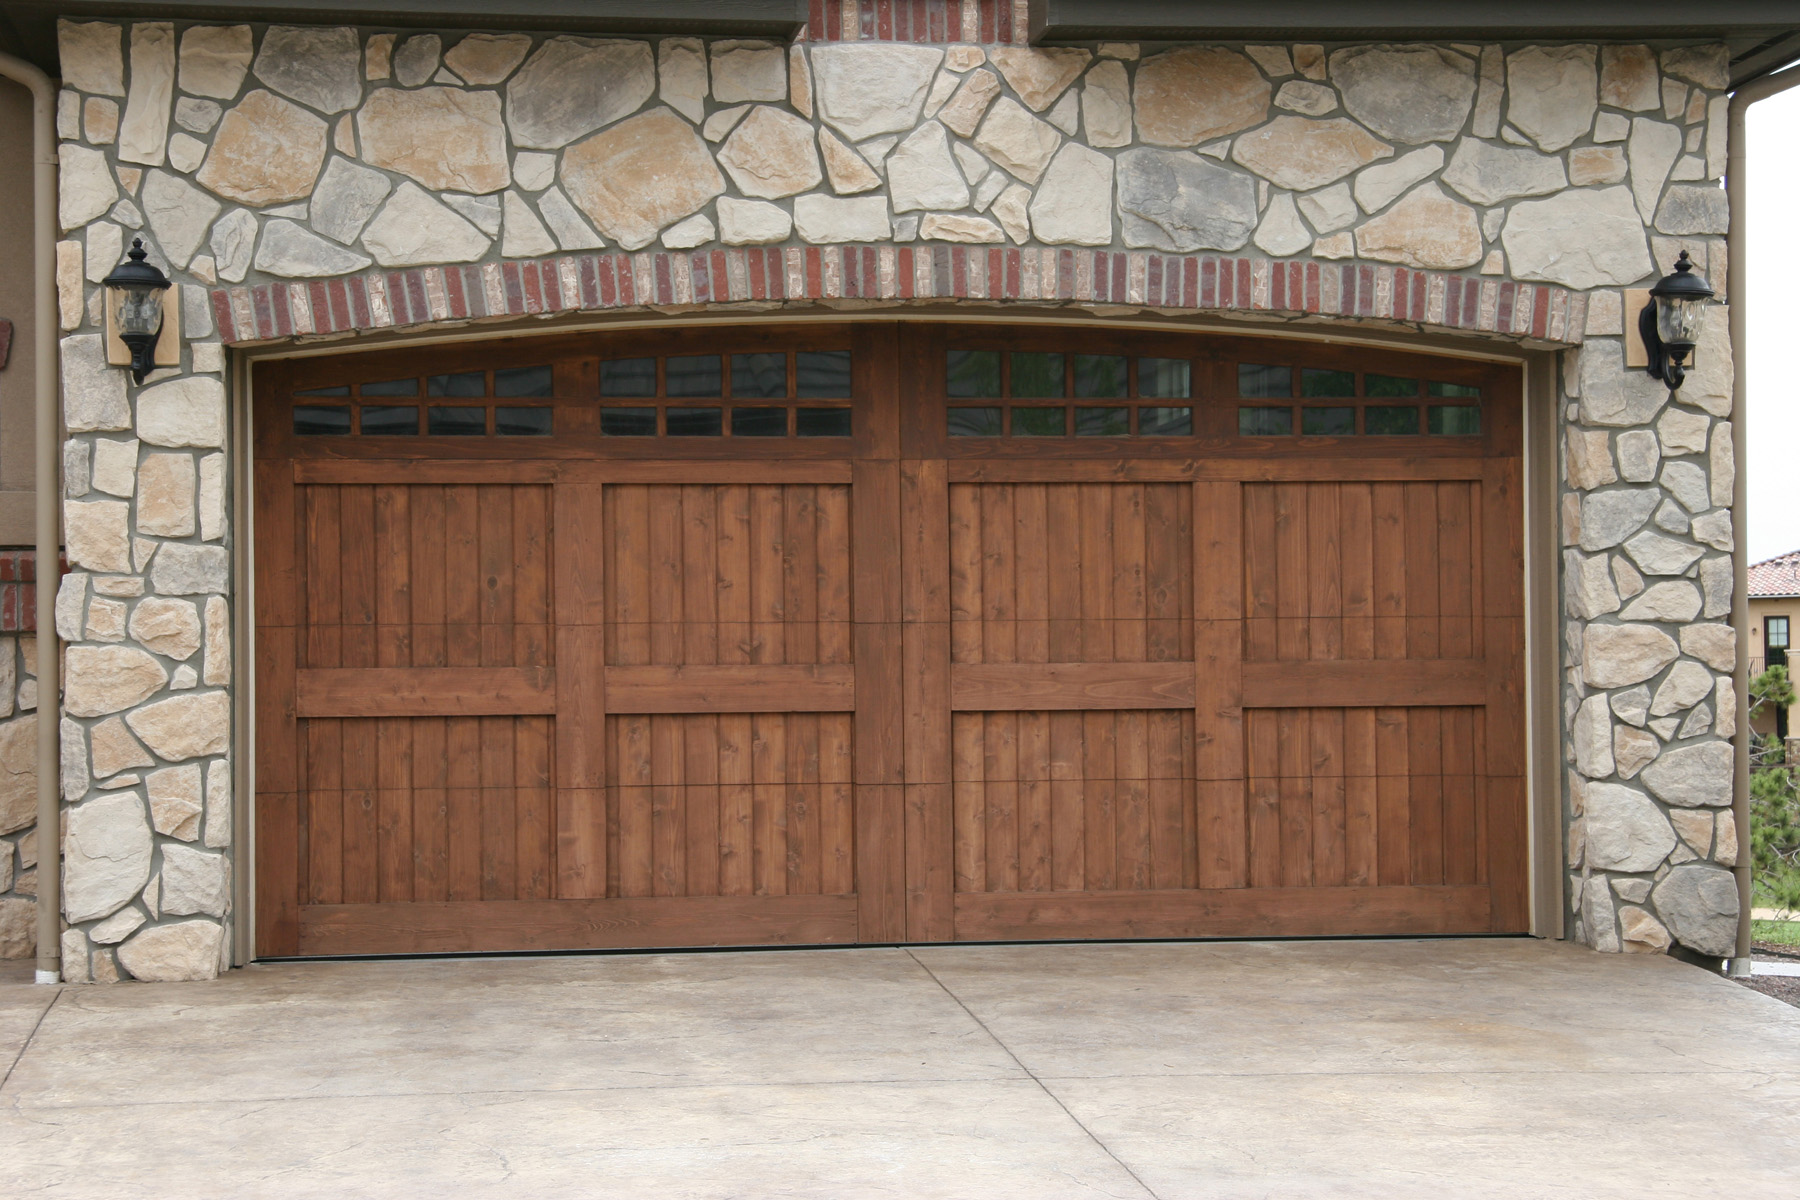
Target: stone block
(194,882)
(863,90)
(1693,776)
(266,151)
(18,774)
(1700,905)
(1591,736)
(183,412)
(447,139)
(1552,93)
(1621,655)
(91,57)
(1406,93)
(1655,554)
(144,130)
(1039,75)
(641,175)
(1608,518)
(106,855)
(1106,106)
(1426,229)
(414,228)
(115,750)
(316,66)
(174,953)
(1581,239)
(96,534)
(748,71)
(1490,174)
(485,59)
(1195,94)
(1181,203)
(214,60)
(1625,830)
(176,804)
(1016,140)
(1302,154)
(826,219)
(184,727)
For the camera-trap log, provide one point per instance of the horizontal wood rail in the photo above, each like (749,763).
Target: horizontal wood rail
(1366,683)
(593,470)
(1003,687)
(1211,470)
(424,691)
(826,687)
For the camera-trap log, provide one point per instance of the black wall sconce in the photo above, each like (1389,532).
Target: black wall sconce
(140,286)
(1671,323)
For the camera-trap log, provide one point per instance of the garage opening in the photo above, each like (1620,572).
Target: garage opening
(810,634)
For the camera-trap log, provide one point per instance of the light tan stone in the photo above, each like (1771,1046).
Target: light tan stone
(1425,229)
(1551,93)
(681,76)
(484,59)
(214,59)
(1194,94)
(18,774)
(770,154)
(266,151)
(68,285)
(218,642)
(1628,78)
(176,953)
(826,219)
(1039,75)
(848,171)
(176,802)
(96,534)
(1106,105)
(184,727)
(1596,164)
(448,139)
(748,71)
(1725,850)
(18,928)
(1695,827)
(115,750)
(84,186)
(641,175)
(90,55)
(870,88)
(106,679)
(1641,932)
(100,120)
(1303,154)
(165,495)
(106,620)
(962,113)
(1587,458)
(1621,655)
(168,626)
(800,94)
(1012,208)
(572,86)
(1017,140)
(954,227)
(1714,645)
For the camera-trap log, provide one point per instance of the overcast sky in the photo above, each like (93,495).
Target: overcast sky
(1774,320)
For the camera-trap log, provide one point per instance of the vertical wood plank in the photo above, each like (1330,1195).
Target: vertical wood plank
(580,603)
(930,841)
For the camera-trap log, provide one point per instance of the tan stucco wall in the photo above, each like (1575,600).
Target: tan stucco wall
(1783,606)
(16,458)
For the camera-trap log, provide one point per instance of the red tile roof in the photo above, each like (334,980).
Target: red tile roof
(1778,576)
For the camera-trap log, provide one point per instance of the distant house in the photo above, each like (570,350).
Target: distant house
(1774,603)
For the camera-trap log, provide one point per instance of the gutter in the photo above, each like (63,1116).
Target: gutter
(1736,242)
(48,418)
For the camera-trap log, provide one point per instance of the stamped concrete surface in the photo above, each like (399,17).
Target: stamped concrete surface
(1381,1069)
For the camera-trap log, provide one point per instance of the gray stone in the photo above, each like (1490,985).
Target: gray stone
(1106,105)
(1694,209)
(566,223)
(318,67)
(523,235)
(1682,432)
(183,570)
(827,219)
(483,212)
(1625,829)
(1639,456)
(106,855)
(1655,554)
(1489,174)
(1378,186)
(348,195)
(1652,152)
(1597,915)
(1700,906)
(1016,140)
(872,88)
(292,251)
(1687,483)
(90,58)
(1671,518)
(1589,587)
(179,214)
(573,86)
(197,116)
(416,59)
(85,187)
(183,412)
(1552,93)
(752,222)
(1632,705)
(194,882)
(144,130)
(1706,65)
(1281,232)
(1714,529)
(214,59)
(1406,93)
(1621,655)
(1608,518)
(1612,395)
(1672,600)
(1306,98)
(1590,734)
(1581,239)
(922,174)
(681,76)
(1633,750)
(1178,202)
(1693,777)
(1073,203)
(1697,723)
(93,390)
(414,229)
(233,244)
(1716,582)
(179,952)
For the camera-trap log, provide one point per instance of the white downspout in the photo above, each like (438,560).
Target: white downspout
(48,417)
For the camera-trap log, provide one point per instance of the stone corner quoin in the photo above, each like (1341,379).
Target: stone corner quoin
(304,181)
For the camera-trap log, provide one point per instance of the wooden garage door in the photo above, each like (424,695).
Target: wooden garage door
(879,633)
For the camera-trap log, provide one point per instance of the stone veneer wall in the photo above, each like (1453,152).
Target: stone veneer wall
(320,181)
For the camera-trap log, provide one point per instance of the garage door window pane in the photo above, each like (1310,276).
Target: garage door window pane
(1452,390)
(1389,385)
(1328,422)
(822,374)
(321,420)
(536,421)
(1453,420)
(1164,378)
(1166,422)
(693,375)
(467,383)
(695,422)
(759,376)
(1102,422)
(342,389)
(974,422)
(1317,382)
(1265,422)
(1037,375)
(628,422)
(822,422)
(392,387)
(972,373)
(1256,381)
(1100,375)
(628,377)
(443,421)
(1040,422)
(524,381)
(759,422)
(388,419)
(1390,420)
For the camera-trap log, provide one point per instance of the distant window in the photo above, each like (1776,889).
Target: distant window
(1775,633)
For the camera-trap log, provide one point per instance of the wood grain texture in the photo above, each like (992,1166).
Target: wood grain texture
(808,687)
(1052,686)
(1391,683)
(424,691)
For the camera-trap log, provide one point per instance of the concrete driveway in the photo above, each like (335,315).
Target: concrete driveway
(1381,1069)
